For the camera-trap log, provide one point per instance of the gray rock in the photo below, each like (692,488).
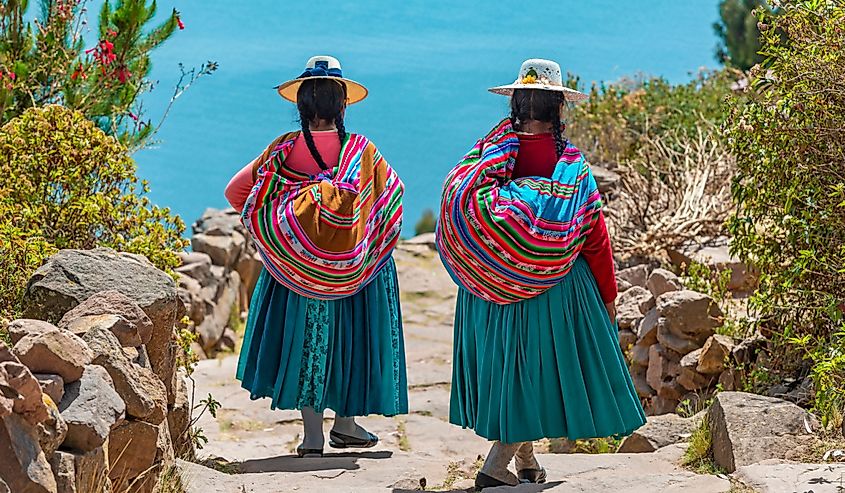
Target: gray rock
(639,354)
(72,276)
(78,472)
(190,292)
(660,405)
(638,375)
(626,339)
(632,305)
(249,267)
(22,388)
(606,180)
(217,222)
(636,276)
(91,408)
(52,385)
(662,281)
(55,351)
(622,285)
(663,369)
(138,448)
(748,428)
(688,318)
(773,476)
(689,377)
(52,431)
(714,354)
(659,431)
(179,419)
(23,327)
(746,351)
(223,250)
(215,323)
(197,267)
(23,467)
(647,328)
(143,393)
(718,258)
(132,328)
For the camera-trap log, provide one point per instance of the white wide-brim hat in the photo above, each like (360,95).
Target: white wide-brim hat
(545,75)
(323,67)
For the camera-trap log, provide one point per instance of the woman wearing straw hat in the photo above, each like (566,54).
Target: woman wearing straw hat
(522,233)
(325,211)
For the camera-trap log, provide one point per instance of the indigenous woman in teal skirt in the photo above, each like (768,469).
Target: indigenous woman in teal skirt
(324,209)
(536,351)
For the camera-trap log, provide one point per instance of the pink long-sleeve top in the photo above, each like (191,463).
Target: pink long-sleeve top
(299,159)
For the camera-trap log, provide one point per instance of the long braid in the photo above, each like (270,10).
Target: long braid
(341,130)
(560,145)
(309,140)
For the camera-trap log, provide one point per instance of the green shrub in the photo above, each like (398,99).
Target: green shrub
(426,224)
(66,184)
(619,118)
(44,60)
(789,142)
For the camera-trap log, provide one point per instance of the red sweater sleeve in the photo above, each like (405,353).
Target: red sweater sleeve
(599,256)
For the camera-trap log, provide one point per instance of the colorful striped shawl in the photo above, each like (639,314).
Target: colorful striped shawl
(325,236)
(508,240)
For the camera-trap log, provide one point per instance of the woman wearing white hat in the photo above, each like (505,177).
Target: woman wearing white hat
(325,211)
(522,233)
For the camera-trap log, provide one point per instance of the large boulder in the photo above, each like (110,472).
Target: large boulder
(131,325)
(138,453)
(139,388)
(91,408)
(23,465)
(223,250)
(749,428)
(70,277)
(659,431)
(687,319)
(55,351)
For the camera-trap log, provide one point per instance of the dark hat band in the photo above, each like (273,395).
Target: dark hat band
(321,69)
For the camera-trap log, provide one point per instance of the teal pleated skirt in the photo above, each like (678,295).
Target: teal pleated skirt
(347,355)
(546,367)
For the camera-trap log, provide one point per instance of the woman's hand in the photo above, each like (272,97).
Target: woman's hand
(611,311)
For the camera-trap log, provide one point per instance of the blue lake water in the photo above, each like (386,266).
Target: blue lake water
(427,65)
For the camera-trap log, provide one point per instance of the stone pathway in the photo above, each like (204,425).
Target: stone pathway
(419,449)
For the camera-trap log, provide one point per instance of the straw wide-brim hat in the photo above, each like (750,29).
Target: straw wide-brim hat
(323,67)
(545,75)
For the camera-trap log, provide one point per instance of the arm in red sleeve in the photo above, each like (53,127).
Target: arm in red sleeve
(599,256)
(239,187)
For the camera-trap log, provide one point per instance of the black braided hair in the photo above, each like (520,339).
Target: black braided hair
(320,99)
(539,105)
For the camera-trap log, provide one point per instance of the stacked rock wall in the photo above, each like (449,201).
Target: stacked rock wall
(669,336)
(90,396)
(216,279)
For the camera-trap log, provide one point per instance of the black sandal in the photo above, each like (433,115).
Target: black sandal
(309,452)
(339,440)
(532,475)
(484,481)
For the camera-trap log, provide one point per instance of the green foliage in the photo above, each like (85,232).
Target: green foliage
(698,456)
(790,191)
(620,118)
(44,61)
(65,184)
(739,36)
(426,224)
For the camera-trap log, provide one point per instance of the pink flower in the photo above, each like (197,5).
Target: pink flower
(180,23)
(133,116)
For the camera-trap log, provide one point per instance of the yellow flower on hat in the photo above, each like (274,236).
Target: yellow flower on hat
(529,79)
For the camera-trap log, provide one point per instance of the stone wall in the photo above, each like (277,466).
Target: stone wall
(216,279)
(669,336)
(90,396)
